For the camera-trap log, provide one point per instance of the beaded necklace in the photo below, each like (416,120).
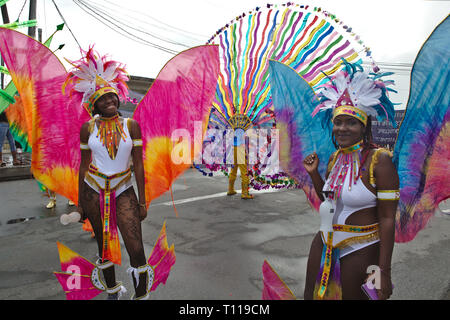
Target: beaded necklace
(109,131)
(346,160)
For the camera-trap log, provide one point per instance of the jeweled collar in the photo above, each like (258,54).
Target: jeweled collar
(352,148)
(113,118)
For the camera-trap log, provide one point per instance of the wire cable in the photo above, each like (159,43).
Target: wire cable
(159,21)
(65,22)
(123,31)
(92,7)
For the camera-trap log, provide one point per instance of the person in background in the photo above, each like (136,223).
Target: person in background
(5,133)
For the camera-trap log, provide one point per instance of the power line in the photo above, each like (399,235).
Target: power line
(23,6)
(158,21)
(122,31)
(65,22)
(92,7)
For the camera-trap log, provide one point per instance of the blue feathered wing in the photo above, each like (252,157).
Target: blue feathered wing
(300,134)
(421,152)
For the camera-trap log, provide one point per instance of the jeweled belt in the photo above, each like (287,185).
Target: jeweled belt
(326,262)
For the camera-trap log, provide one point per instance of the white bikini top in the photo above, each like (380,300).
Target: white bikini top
(353,200)
(101,158)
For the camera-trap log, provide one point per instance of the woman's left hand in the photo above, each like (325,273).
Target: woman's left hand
(385,290)
(142,212)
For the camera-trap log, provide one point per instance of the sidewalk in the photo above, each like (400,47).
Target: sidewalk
(11,172)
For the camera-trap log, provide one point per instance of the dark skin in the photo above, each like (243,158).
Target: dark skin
(349,131)
(129,211)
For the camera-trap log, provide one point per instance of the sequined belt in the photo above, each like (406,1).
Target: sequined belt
(101,181)
(326,263)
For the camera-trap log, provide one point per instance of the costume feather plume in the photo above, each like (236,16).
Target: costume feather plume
(422,149)
(274,287)
(421,153)
(161,259)
(180,96)
(300,135)
(54,120)
(11,104)
(18,124)
(80,280)
(75,275)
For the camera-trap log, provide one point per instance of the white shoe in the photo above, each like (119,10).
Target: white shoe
(51,204)
(71,203)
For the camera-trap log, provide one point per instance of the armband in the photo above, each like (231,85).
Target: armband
(137,142)
(388,194)
(84,146)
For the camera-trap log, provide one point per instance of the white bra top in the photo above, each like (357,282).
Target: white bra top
(350,201)
(353,200)
(101,158)
(107,166)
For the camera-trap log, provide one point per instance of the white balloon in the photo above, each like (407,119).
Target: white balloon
(70,218)
(64,219)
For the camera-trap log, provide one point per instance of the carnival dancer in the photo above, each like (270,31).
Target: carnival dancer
(362,183)
(239,123)
(106,194)
(361,189)
(52,198)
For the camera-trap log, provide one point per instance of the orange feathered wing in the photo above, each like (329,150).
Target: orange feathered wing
(176,105)
(53,121)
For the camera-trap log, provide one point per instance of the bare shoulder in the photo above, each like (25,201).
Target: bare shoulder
(134,128)
(382,157)
(384,169)
(85,125)
(85,130)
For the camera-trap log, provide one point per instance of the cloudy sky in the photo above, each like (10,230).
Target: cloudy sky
(146,34)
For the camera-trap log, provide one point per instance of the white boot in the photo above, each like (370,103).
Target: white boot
(135,274)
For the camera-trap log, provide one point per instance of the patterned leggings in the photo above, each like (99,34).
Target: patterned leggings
(129,225)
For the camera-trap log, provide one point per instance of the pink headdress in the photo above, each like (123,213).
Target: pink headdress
(93,76)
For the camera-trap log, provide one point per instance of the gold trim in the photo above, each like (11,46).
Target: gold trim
(126,177)
(240,121)
(333,161)
(84,146)
(100,92)
(137,142)
(374,161)
(358,239)
(351,228)
(389,195)
(352,112)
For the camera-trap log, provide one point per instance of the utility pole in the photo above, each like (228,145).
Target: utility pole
(5,17)
(32,16)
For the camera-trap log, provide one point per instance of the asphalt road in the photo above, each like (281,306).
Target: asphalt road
(220,244)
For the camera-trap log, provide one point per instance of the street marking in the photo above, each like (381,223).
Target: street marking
(210,196)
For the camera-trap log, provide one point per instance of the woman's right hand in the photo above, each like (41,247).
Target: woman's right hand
(81,212)
(311,163)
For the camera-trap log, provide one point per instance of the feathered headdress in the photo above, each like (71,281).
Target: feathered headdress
(93,76)
(353,92)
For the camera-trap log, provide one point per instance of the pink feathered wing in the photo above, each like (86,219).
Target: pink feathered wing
(274,287)
(54,119)
(177,104)
(161,259)
(75,275)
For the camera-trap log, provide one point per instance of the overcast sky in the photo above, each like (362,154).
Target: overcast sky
(394,30)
